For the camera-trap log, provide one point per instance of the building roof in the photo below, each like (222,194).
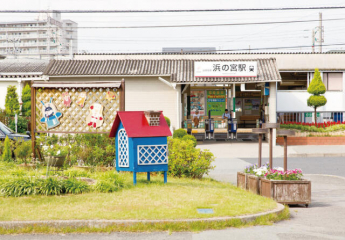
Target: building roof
(214,53)
(22,66)
(136,125)
(179,70)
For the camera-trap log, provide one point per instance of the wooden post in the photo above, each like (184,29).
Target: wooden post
(260,147)
(271,148)
(122,96)
(285,153)
(33,118)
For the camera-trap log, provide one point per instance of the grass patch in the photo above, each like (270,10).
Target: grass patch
(178,199)
(150,227)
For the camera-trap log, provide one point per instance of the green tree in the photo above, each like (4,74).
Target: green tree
(316,88)
(11,102)
(7,155)
(26,99)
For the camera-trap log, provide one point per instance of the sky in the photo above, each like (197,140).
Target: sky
(244,38)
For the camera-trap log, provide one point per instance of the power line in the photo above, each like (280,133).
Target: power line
(174,10)
(187,25)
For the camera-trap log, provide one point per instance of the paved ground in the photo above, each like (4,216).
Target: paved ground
(324,219)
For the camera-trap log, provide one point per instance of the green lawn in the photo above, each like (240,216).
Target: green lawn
(178,199)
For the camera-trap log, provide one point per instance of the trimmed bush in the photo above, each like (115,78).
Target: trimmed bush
(167,120)
(187,161)
(179,133)
(190,138)
(7,155)
(74,186)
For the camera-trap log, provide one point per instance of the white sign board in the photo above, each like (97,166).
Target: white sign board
(225,69)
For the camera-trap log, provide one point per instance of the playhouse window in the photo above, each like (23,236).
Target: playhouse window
(123,149)
(152,154)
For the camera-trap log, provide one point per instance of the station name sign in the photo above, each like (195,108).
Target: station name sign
(225,69)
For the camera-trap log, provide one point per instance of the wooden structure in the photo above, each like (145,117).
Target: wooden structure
(254,184)
(260,132)
(242,180)
(141,142)
(287,192)
(74,117)
(271,126)
(285,134)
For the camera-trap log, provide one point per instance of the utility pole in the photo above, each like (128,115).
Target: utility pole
(320,32)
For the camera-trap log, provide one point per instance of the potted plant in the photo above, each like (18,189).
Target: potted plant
(55,155)
(286,187)
(254,183)
(242,177)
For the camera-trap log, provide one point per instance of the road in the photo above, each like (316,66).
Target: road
(324,219)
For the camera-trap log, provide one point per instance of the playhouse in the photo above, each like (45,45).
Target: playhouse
(141,142)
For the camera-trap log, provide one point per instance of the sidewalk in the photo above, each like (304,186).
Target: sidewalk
(250,150)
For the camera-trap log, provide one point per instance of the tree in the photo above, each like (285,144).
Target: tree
(26,99)
(316,88)
(11,102)
(7,155)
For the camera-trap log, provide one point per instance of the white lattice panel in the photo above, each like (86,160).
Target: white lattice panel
(123,148)
(152,154)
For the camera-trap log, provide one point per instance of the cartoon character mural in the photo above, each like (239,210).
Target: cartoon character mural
(66,99)
(110,95)
(81,99)
(50,114)
(95,118)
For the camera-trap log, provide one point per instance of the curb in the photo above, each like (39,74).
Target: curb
(316,155)
(105,223)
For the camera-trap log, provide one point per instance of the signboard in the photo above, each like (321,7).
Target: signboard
(216,100)
(225,69)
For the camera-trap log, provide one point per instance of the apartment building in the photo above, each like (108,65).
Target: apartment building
(45,37)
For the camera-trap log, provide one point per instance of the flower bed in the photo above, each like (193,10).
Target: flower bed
(312,127)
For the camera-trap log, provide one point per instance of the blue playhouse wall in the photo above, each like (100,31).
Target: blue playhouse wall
(133,144)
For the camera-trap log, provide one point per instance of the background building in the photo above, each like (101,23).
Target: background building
(46,37)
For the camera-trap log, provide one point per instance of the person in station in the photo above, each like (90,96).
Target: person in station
(196,118)
(226,115)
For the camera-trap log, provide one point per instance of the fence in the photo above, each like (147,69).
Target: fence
(308,117)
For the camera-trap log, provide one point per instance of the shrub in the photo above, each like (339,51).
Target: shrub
(23,150)
(50,186)
(74,186)
(179,133)
(105,186)
(11,101)
(190,138)
(112,177)
(167,120)
(26,99)
(22,124)
(187,161)
(7,155)
(16,187)
(74,173)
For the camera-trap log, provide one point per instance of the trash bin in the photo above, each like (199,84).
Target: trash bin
(209,128)
(189,126)
(232,128)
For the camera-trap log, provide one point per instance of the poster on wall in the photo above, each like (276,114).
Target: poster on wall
(216,100)
(238,105)
(256,104)
(248,104)
(197,102)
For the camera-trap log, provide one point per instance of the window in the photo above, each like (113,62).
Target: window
(333,81)
(293,81)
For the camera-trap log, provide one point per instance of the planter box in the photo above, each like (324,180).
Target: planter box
(287,191)
(312,141)
(254,184)
(55,161)
(242,180)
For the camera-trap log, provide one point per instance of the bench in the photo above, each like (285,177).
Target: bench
(248,118)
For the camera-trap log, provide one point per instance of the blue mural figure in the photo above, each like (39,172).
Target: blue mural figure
(50,114)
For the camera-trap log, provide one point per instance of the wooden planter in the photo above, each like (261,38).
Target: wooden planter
(254,184)
(242,180)
(287,191)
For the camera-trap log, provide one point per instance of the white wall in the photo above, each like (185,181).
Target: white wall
(151,94)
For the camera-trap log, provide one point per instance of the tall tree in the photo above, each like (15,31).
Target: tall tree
(11,102)
(26,99)
(316,88)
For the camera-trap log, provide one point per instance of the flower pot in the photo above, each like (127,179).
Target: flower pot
(55,161)
(242,180)
(254,184)
(287,191)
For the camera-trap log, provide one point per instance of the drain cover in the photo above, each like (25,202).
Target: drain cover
(205,210)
